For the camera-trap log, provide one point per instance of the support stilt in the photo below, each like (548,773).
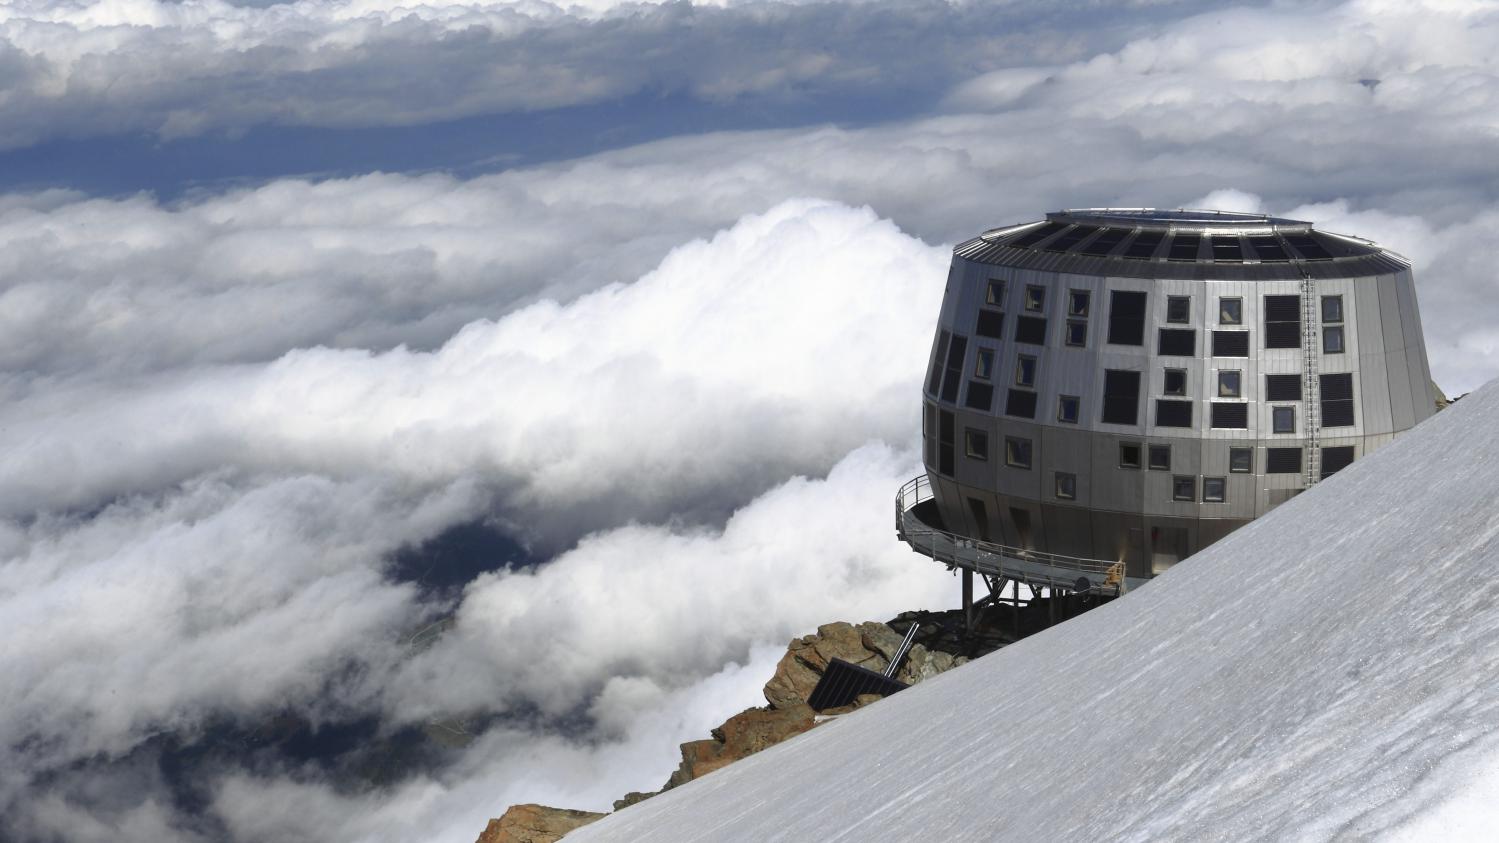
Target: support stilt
(967,600)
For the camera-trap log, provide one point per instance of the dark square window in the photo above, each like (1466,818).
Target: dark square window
(980,396)
(1030,329)
(1177,342)
(1282,321)
(1337,400)
(1021,403)
(1336,459)
(1066,486)
(1230,416)
(995,294)
(1035,298)
(1240,460)
(1230,343)
(1179,309)
(1214,490)
(1173,413)
(976,444)
(1017,452)
(1077,302)
(1025,370)
(1176,382)
(1129,454)
(1282,387)
(1121,397)
(1332,339)
(1126,318)
(991,324)
(1283,419)
(1067,408)
(1282,460)
(983,364)
(1077,333)
(1332,309)
(1230,384)
(1231,311)
(1159,457)
(1184,488)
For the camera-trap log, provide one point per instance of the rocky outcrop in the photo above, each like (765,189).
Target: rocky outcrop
(868,644)
(535,824)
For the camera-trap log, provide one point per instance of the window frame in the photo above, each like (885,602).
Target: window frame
(972,435)
(1077,409)
(1012,446)
(1186,303)
(1072,299)
(1222,484)
(1165,382)
(1038,293)
(1249,467)
(1239,319)
(1020,380)
(979,355)
(990,298)
(1139,456)
(1067,334)
(1334,331)
(1322,311)
(1176,485)
(1277,411)
(1238,390)
(1151,450)
(1057,485)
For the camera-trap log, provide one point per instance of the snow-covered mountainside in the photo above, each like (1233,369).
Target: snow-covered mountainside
(1330,671)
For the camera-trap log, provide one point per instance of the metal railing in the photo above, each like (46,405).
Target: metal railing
(1033,567)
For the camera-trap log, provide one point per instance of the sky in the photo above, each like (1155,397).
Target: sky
(411,410)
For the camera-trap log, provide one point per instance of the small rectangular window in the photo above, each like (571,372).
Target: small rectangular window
(1282,460)
(1121,396)
(1030,329)
(1332,339)
(1067,408)
(1035,298)
(1337,400)
(1077,333)
(1283,321)
(1336,459)
(1077,302)
(1240,460)
(1230,311)
(1017,452)
(983,364)
(1176,342)
(1126,318)
(980,396)
(995,294)
(1176,382)
(1332,309)
(1282,387)
(1021,403)
(1170,413)
(1129,454)
(991,324)
(1283,419)
(976,444)
(1066,486)
(1230,343)
(1230,416)
(1159,457)
(1230,384)
(946,433)
(1179,309)
(1184,488)
(1214,490)
(1025,370)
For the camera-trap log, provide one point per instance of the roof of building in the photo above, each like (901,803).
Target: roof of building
(1189,244)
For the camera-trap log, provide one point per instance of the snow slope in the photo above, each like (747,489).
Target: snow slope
(1330,671)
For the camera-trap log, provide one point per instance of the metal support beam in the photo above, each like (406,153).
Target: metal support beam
(967,600)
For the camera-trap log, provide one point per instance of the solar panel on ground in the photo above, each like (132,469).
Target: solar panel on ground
(843,682)
(1144,244)
(1037,235)
(1268,249)
(1184,247)
(1226,248)
(1308,246)
(1105,242)
(1070,238)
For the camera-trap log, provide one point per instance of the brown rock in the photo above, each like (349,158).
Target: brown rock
(869,644)
(631,798)
(535,824)
(742,735)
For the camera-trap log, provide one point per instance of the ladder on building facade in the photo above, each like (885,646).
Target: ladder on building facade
(1310,383)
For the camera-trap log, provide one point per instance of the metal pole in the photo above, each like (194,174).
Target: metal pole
(967,600)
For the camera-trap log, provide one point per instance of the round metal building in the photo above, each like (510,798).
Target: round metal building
(1130,385)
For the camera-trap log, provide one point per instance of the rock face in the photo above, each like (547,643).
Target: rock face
(535,824)
(869,645)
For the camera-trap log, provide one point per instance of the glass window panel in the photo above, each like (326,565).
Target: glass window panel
(1230,384)
(1178,308)
(1160,457)
(1332,309)
(976,444)
(1077,333)
(1332,340)
(1214,489)
(1176,382)
(1035,297)
(1025,370)
(983,364)
(1184,488)
(1283,419)
(1230,311)
(995,295)
(1129,454)
(1017,452)
(1077,302)
(1067,408)
(1066,486)
(1241,460)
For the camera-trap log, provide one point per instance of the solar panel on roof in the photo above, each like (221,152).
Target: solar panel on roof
(1105,242)
(1268,249)
(1226,248)
(1184,247)
(1309,248)
(1037,235)
(1070,238)
(1144,244)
